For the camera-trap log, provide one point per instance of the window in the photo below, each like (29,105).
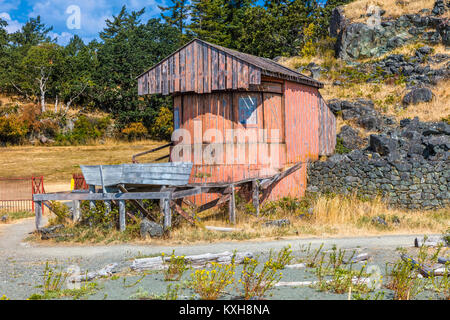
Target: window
(247,109)
(176,118)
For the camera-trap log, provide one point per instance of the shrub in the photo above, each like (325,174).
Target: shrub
(163,124)
(135,130)
(256,284)
(340,147)
(210,284)
(176,266)
(85,130)
(12,130)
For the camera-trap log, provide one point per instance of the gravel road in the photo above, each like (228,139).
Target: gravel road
(22,263)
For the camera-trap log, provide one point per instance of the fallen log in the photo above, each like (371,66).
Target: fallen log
(296,266)
(221,229)
(434,241)
(355,281)
(423,270)
(106,271)
(50,229)
(156,263)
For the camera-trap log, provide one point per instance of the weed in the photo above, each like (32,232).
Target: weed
(210,284)
(403,280)
(256,284)
(175,267)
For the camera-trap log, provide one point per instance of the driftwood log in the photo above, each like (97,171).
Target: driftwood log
(156,263)
(443,260)
(296,266)
(433,241)
(355,281)
(221,229)
(106,271)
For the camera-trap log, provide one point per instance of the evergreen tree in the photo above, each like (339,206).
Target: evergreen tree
(178,14)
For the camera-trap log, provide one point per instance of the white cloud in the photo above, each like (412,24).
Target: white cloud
(93,14)
(8,5)
(13,25)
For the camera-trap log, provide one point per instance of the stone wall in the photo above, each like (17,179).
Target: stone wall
(406,184)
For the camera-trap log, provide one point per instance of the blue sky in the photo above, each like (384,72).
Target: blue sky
(93,14)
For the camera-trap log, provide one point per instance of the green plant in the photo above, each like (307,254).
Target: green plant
(256,284)
(210,284)
(12,130)
(403,280)
(175,266)
(163,124)
(312,258)
(134,131)
(340,148)
(61,211)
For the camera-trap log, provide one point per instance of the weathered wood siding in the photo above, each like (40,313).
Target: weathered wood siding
(198,68)
(327,129)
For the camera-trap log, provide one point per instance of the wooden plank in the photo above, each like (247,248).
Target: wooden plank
(222,75)
(213,203)
(235,73)
(91,203)
(158,78)
(165,82)
(206,69)
(100,196)
(214,69)
(183,70)
(229,74)
(200,75)
(176,75)
(193,60)
(185,215)
(245,72)
(170,76)
(138,205)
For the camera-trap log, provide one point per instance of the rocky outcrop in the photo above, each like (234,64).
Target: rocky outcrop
(417,95)
(359,40)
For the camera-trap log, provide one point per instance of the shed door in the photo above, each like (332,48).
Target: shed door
(273,117)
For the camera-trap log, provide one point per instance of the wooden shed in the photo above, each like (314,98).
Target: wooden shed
(218,88)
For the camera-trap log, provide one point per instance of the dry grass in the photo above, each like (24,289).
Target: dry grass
(356,11)
(333,216)
(57,164)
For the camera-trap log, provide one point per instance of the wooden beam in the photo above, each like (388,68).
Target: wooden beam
(268,182)
(214,203)
(92,202)
(184,214)
(138,205)
(100,196)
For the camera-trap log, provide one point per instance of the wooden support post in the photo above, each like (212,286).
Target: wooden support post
(255,186)
(76,211)
(232,207)
(38,213)
(122,215)
(167,213)
(92,202)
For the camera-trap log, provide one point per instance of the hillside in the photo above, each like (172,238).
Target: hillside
(387,78)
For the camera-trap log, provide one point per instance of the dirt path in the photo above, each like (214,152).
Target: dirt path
(22,263)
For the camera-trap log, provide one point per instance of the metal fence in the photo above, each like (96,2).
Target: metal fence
(16,194)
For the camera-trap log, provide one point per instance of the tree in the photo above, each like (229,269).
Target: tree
(209,20)
(129,48)
(38,68)
(178,14)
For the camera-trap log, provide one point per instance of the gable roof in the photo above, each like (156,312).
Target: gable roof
(269,67)
(204,67)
